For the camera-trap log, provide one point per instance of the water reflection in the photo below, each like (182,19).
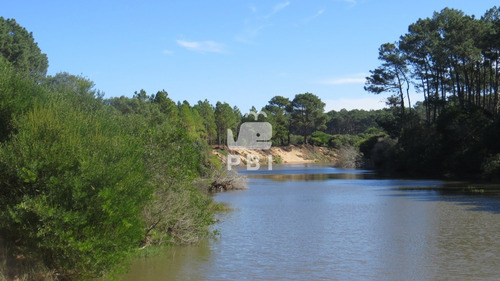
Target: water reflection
(319,223)
(313,177)
(174,264)
(308,172)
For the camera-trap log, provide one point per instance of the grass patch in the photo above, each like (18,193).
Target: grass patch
(277,159)
(222,151)
(219,207)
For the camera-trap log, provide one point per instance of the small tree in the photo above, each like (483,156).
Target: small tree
(224,119)
(280,119)
(18,46)
(307,112)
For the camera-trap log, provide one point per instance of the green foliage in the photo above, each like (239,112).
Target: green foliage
(279,119)
(452,59)
(85,181)
(179,213)
(277,159)
(296,139)
(351,122)
(18,46)
(307,114)
(206,112)
(175,157)
(339,141)
(392,76)
(491,167)
(18,94)
(319,138)
(73,186)
(190,121)
(226,118)
(462,144)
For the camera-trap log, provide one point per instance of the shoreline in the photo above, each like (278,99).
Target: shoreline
(291,154)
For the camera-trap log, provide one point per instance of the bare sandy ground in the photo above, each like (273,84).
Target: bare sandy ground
(285,154)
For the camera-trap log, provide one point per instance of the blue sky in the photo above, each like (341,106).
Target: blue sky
(240,52)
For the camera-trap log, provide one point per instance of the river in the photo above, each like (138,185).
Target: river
(314,222)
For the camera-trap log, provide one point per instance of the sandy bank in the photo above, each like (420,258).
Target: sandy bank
(280,154)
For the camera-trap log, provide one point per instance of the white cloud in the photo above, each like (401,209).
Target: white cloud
(368,103)
(358,78)
(202,46)
(318,13)
(250,33)
(278,7)
(253,8)
(256,23)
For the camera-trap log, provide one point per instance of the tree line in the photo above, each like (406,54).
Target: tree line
(452,60)
(294,122)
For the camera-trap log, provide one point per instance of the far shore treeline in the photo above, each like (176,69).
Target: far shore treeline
(86,181)
(452,60)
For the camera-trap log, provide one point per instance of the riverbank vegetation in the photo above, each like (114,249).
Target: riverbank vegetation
(451,60)
(86,181)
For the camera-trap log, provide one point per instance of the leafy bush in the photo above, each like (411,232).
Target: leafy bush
(339,141)
(319,138)
(296,140)
(73,186)
(178,212)
(491,167)
(17,95)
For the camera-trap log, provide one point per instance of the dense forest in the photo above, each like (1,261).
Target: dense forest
(452,60)
(86,181)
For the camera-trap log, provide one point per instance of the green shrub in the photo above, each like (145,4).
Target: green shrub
(339,141)
(319,138)
(296,139)
(18,93)
(277,159)
(179,212)
(491,166)
(73,187)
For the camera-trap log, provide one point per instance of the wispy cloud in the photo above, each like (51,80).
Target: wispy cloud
(318,13)
(278,7)
(202,46)
(256,23)
(250,33)
(253,8)
(358,78)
